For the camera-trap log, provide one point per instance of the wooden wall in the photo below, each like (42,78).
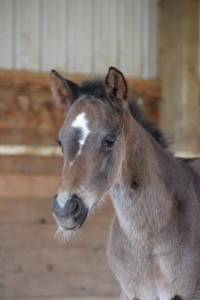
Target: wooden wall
(33,264)
(29,116)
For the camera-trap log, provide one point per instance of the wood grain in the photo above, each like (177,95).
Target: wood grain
(180,106)
(28,114)
(44,284)
(26,164)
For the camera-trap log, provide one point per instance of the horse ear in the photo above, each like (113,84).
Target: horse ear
(64,91)
(115,83)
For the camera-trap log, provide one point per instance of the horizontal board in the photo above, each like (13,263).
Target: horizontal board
(27,210)
(29,116)
(33,237)
(68,260)
(42,236)
(44,284)
(33,81)
(28,136)
(30,210)
(39,81)
(30,164)
(27,185)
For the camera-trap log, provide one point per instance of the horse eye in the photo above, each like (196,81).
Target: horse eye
(59,143)
(109,142)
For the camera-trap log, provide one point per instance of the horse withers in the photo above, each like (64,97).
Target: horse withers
(109,146)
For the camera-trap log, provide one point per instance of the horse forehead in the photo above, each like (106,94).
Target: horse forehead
(86,114)
(81,122)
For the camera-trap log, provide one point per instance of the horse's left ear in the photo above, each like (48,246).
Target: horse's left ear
(116,86)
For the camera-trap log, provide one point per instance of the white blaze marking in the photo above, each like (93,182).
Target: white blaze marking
(81,123)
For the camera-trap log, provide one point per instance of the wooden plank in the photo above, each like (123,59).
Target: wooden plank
(29,116)
(67,260)
(20,186)
(33,81)
(25,164)
(34,107)
(39,81)
(26,210)
(6,33)
(28,136)
(179,73)
(59,284)
(42,236)
(25,100)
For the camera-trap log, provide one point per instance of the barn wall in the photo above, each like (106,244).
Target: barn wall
(80,36)
(33,263)
(28,116)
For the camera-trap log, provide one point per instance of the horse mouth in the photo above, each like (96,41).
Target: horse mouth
(72,224)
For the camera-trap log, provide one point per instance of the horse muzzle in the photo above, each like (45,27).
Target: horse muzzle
(71,215)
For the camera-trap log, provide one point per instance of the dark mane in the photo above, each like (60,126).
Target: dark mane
(147,124)
(96,89)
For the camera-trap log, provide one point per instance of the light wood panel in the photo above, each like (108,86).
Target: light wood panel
(179,73)
(44,284)
(79,36)
(27,35)
(34,263)
(28,115)
(106,35)
(54,34)
(7,34)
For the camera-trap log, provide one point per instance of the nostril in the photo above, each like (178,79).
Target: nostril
(75,207)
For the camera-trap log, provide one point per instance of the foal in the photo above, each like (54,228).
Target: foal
(108,146)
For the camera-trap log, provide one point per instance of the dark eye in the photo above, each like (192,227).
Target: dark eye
(109,141)
(59,143)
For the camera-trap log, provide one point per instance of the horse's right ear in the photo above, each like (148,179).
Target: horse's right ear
(64,91)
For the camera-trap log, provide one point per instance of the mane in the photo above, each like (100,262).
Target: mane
(96,89)
(147,124)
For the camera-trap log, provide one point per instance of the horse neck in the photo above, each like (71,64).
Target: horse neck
(144,195)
